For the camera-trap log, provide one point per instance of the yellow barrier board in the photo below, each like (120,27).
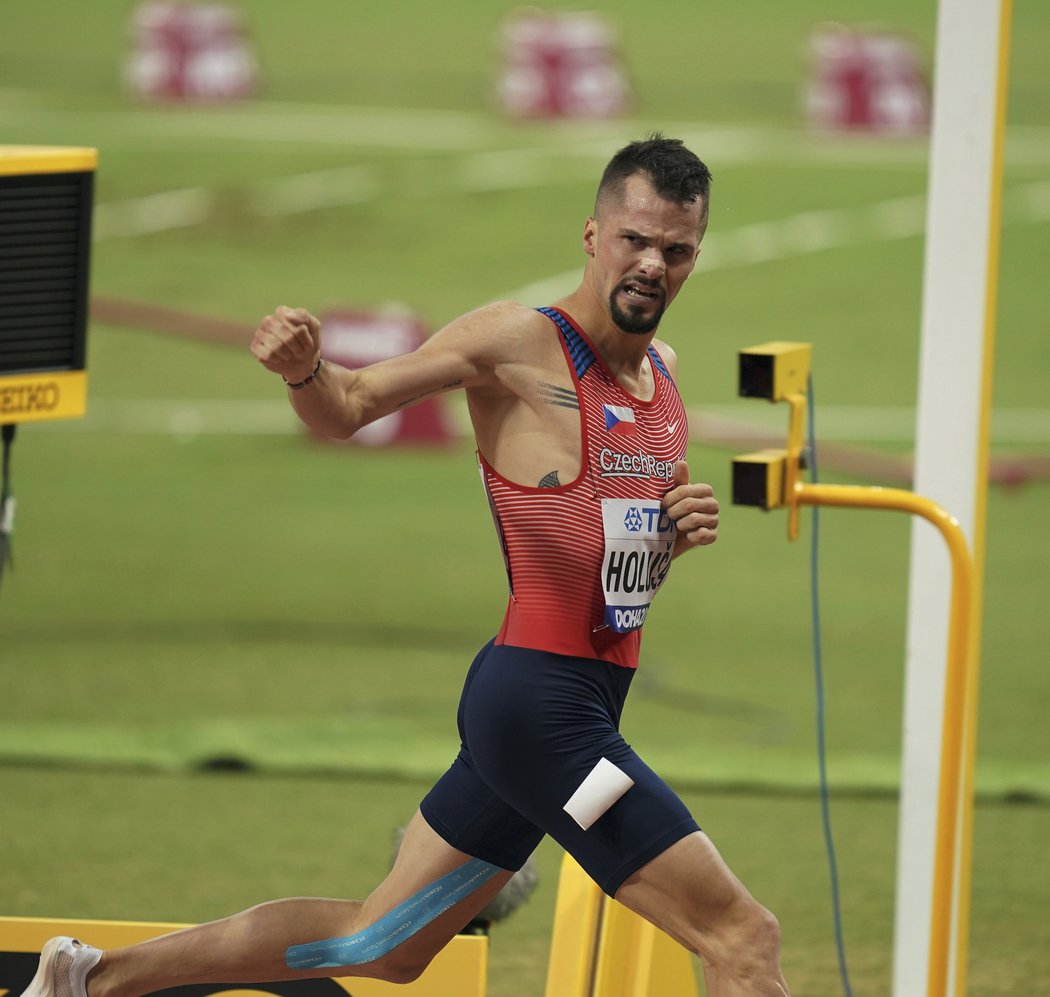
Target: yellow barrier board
(460,970)
(37,397)
(636,959)
(599,948)
(577,919)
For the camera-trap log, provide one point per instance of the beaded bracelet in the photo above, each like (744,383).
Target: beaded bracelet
(306,380)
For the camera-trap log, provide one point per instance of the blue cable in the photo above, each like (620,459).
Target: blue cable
(818,670)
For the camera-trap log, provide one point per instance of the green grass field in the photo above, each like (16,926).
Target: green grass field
(195,582)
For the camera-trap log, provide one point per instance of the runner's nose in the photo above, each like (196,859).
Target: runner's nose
(652,266)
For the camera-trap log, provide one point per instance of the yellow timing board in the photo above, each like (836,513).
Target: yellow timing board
(31,159)
(35,397)
(46,201)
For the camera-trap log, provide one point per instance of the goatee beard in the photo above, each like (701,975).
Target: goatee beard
(634,321)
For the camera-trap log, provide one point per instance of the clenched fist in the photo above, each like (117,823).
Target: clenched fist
(288,342)
(694,509)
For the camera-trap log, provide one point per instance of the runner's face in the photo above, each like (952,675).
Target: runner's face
(642,249)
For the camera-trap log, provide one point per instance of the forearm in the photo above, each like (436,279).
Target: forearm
(327,404)
(335,401)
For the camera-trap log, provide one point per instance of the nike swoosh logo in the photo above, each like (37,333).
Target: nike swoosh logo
(671,427)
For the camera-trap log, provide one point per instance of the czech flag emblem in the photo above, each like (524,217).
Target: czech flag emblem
(619,420)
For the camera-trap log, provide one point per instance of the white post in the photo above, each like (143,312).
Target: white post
(959,297)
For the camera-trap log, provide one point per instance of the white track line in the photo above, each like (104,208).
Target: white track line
(814,231)
(312,191)
(187,419)
(273,123)
(1031,201)
(276,122)
(153,213)
(539,167)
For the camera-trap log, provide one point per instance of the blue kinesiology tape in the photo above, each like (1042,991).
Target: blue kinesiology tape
(398,926)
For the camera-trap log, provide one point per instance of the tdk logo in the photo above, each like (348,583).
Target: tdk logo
(650,518)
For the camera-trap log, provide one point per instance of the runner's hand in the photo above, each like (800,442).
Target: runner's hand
(694,509)
(288,342)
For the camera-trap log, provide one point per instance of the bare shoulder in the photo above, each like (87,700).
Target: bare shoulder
(503,317)
(498,331)
(668,355)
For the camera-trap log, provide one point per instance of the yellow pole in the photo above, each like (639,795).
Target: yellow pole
(955,789)
(960,685)
(793,465)
(962,926)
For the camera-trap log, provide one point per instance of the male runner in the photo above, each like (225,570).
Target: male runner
(581,438)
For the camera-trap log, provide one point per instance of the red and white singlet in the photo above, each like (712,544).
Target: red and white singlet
(585,559)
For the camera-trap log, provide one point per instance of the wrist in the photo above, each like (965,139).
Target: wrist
(311,377)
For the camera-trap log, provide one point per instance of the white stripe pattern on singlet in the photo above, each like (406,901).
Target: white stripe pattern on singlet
(553,538)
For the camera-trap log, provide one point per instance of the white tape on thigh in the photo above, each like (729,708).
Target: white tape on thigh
(604,785)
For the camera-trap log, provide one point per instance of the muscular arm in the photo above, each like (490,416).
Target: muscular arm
(338,402)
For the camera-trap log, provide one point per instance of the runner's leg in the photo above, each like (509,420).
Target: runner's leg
(689,892)
(251,947)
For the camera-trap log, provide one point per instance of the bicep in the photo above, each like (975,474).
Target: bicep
(405,380)
(464,354)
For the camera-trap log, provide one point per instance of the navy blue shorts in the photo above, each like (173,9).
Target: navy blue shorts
(533,727)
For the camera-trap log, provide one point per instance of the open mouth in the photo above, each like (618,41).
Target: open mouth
(641,293)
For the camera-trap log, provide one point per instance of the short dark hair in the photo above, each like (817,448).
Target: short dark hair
(676,174)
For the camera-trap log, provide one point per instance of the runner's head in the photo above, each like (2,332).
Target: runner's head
(674,172)
(644,238)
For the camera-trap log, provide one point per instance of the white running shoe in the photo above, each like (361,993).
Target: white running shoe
(64,966)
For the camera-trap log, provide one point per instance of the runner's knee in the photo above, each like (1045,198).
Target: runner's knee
(400,967)
(762,935)
(747,945)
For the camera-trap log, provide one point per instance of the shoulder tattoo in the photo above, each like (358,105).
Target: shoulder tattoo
(553,395)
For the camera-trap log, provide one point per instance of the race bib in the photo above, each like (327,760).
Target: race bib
(639,542)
